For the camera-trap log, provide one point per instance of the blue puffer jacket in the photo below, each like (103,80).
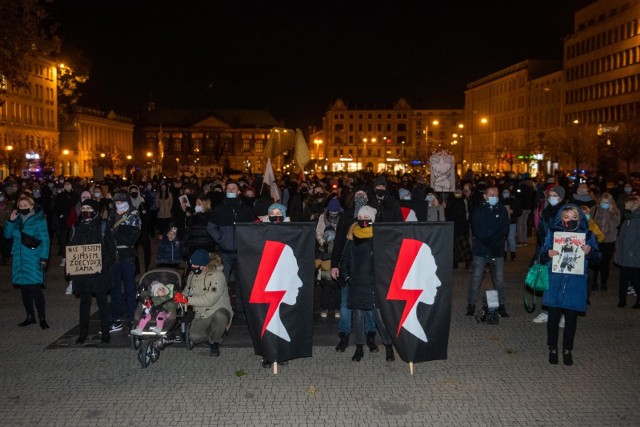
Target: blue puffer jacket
(26,269)
(569,290)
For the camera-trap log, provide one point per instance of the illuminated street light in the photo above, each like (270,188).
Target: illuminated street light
(484,120)
(103,155)
(149,154)
(65,152)
(129,157)
(9,147)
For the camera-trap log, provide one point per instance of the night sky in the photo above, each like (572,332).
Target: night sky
(295,58)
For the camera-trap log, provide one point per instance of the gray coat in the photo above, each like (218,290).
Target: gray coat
(628,243)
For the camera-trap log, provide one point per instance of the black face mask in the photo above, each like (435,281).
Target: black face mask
(134,194)
(86,216)
(364,223)
(319,195)
(381,193)
(275,219)
(250,200)
(197,270)
(571,225)
(24,211)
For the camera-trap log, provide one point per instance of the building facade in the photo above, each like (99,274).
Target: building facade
(202,142)
(29,120)
(391,140)
(95,143)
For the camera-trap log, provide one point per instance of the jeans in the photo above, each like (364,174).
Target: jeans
(359,320)
(511,238)
(477,273)
(344,325)
(123,271)
(523,227)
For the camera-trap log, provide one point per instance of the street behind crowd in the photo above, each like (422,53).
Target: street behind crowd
(495,374)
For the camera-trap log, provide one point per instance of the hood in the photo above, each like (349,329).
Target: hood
(583,225)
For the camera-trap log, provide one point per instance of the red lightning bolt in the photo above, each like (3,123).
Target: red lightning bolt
(259,294)
(406,257)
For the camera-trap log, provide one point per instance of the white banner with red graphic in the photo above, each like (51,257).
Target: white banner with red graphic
(414,274)
(276,275)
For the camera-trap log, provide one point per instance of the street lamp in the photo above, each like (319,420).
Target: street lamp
(318,142)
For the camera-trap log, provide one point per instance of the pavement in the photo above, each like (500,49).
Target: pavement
(495,375)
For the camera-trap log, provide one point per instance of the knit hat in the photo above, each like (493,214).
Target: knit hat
(155,286)
(279,206)
(368,211)
(121,196)
(200,258)
(559,190)
(381,180)
(404,194)
(134,187)
(93,203)
(334,205)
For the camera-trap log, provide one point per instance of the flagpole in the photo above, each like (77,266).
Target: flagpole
(411,368)
(275,368)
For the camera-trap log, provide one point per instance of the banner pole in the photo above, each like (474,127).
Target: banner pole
(275,368)
(410,368)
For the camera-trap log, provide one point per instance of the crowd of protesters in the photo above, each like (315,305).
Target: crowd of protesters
(492,217)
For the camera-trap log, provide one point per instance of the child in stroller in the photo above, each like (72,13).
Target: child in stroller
(159,303)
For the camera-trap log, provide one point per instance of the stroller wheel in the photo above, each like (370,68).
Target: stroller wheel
(187,337)
(144,354)
(135,342)
(155,351)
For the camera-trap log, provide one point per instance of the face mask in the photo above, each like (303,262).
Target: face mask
(430,197)
(333,216)
(554,201)
(122,207)
(303,190)
(361,200)
(36,193)
(97,195)
(319,195)
(134,195)
(199,209)
(627,189)
(505,195)
(275,219)
(588,216)
(232,195)
(250,200)
(604,205)
(493,200)
(364,223)
(381,193)
(571,225)
(86,216)
(24,211)
(197,270)
(1,198)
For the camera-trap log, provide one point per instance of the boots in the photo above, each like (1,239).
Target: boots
(344,342)
(371,342)
(390,356)
(105,337)
(43,323)
(567,358)
(83,336)
(28,321)
(214,350)
(359,354)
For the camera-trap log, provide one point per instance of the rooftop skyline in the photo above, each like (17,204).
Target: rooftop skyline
(295,61)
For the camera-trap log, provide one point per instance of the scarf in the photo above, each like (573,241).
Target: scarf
(363,233)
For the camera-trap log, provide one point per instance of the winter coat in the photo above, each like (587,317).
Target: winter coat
(458,210)
(515,206)
(63,204)
(608,220)
(490,226)
(169,251)
(91,233)
(388,209)
(196,235)
(207,292)
(569,291)
(222,222)
(26,268)
(628,243)
(547,219)
(356,268)
(125,230)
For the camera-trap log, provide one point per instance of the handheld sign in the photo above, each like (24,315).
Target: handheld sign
(84,259)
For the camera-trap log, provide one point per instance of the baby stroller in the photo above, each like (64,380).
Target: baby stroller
(158,318)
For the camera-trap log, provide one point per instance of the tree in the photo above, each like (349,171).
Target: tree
(73,72)
(578,143)
(12,154)
(26,32)
(628,142)
(110,158)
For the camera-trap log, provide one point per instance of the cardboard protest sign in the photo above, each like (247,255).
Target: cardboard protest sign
(84,259)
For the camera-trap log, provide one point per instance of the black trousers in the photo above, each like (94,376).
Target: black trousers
(629,276)
(33,294)
(104,311)
(603,269)
(553,327)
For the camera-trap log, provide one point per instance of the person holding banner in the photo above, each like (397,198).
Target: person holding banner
(356,266)
(89,230)
(28,228)
(567,293)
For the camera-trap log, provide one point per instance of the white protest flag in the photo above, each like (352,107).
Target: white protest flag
(270,180)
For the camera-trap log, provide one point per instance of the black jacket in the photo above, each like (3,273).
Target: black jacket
(356,268)
(91,233)
(196,235)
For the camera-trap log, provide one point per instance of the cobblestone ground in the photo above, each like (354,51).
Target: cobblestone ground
(495,375)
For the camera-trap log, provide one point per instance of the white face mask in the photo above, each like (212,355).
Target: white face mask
(122,207)
(199,209)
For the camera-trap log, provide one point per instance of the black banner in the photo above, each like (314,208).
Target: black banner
(414,273)
(275,273)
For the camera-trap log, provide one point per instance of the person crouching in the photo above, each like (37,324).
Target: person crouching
(206,291)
